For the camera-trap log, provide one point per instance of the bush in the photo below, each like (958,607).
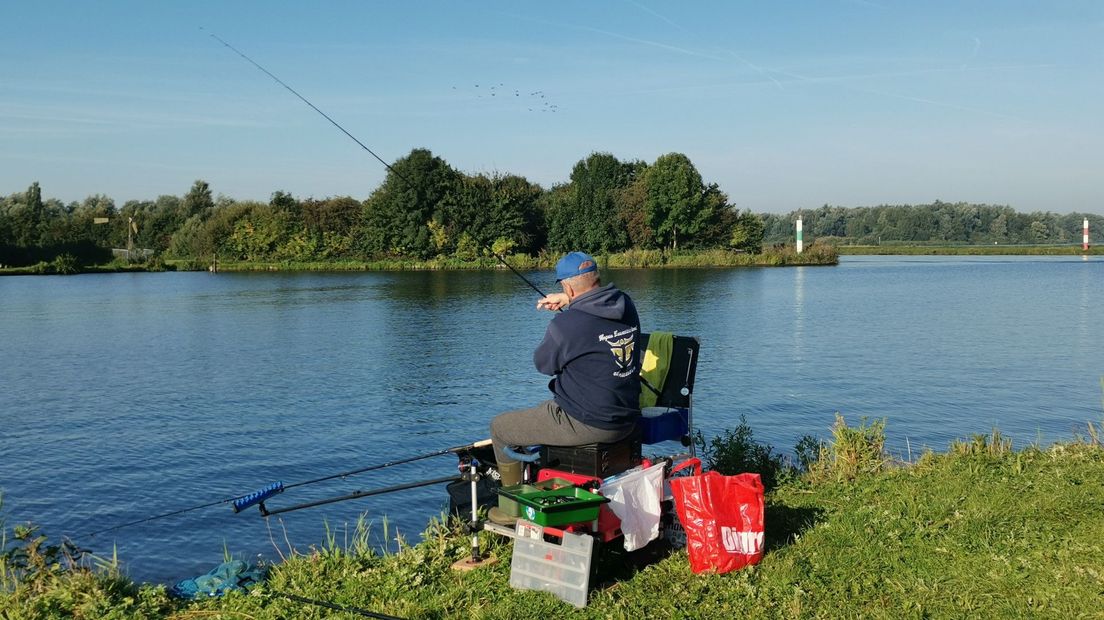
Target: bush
(65,264)
(978,445)
(156,263)
(736,452)
(852,452)
(27,558)
(808,450)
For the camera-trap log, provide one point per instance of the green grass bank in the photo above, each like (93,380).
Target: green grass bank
(633,259)
(650,259)
(982,530)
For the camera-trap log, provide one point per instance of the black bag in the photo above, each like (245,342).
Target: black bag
(486,495)
(486,488)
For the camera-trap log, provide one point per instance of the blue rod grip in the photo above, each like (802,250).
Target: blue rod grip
(257,496)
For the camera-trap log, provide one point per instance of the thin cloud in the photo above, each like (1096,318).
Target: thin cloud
(55,118)
(128,121)
(792,78)
(617,35)
(673,48)
(809,79)
(656,14)
(865,3)
(151,94)
(23,130)
(944,104)
(757,69)
(116,163)
(913,72)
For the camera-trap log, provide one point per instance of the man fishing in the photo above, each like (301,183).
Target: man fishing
(590,351)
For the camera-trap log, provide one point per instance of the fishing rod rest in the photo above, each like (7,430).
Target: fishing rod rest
(261,495)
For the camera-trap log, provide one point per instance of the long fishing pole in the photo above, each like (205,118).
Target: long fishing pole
(359,494)
(361,144)
(241,502)
(336,607)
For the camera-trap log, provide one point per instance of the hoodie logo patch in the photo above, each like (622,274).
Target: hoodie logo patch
(623,351)
(622,345)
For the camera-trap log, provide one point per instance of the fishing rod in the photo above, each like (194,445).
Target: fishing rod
(265,512)
(241,502)
(361,144)
(336,607)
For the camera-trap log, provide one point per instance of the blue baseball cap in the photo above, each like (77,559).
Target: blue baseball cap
(574,264)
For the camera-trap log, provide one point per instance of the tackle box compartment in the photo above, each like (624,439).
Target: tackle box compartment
(547,484)
(560,568)
(558,503)
(511,492)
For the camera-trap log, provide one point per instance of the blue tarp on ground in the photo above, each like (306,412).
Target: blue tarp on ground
(233,575)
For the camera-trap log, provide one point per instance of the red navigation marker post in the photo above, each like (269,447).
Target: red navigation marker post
(1085,237)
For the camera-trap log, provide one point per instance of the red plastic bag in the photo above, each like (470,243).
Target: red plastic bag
(723,519)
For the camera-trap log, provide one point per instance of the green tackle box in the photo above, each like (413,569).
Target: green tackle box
(555,502)
(511,492)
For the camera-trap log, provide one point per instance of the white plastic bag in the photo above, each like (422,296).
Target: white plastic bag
(635,498)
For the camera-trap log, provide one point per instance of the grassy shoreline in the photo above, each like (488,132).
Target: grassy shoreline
(633,259)
(979,531)
(638,259)
(814,255)
(968,250)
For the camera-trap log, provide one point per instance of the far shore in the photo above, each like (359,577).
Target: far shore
(778,256)
(969,250)
(641,259)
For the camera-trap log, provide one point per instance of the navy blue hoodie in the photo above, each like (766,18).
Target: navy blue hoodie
(590,351)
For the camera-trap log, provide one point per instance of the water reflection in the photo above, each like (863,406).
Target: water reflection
(799,315)
(210,385)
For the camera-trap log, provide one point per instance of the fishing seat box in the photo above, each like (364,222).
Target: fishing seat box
(600,460)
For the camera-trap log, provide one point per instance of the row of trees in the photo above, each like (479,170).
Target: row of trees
(423,208)
(33,229)
(939,222)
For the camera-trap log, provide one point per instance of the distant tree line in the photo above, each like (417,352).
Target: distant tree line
(936,223)
(424,208)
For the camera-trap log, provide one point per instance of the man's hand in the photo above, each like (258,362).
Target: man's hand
(553,302)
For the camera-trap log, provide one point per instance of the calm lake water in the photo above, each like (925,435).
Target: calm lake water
(127,395)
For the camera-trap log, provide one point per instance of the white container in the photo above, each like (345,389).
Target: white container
(563,569)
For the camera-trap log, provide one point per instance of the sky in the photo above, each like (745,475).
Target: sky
(785,105)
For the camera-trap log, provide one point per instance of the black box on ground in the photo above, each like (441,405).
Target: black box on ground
(600,460)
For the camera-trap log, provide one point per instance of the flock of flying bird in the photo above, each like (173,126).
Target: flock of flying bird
(535,101)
